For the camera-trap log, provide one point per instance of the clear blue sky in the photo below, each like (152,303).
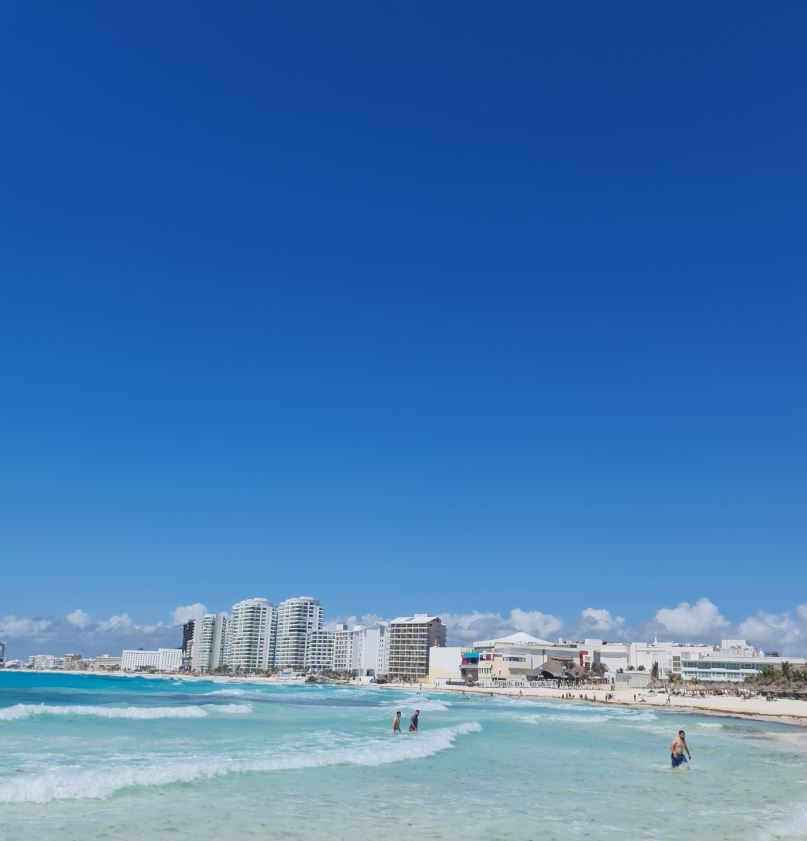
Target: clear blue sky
(445,308)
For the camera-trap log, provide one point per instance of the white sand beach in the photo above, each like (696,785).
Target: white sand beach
(794,712)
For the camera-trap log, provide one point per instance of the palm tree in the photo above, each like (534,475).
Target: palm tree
(768,674)
(787,671)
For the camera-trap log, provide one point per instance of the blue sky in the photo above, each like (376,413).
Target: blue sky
(458,309)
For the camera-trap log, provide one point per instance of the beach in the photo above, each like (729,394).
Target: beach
(791,711)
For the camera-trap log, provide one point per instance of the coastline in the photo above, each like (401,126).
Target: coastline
(785,711)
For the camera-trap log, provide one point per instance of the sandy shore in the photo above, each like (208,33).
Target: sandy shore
(788,711)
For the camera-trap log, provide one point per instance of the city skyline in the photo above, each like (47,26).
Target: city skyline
(701,621)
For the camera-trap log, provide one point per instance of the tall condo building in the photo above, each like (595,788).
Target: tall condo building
(297,617)
(2,653)
(411,637)
(187,636)
(187,643)
(319,651)
(209,640)
(251,634)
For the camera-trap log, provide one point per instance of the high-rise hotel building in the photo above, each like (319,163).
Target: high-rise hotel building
(296,618)
(251,634)
(209,641)
(319,651)
(410,638)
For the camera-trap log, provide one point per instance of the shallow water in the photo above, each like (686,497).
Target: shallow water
(90,757)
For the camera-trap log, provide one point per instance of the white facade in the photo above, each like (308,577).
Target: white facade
(44,661)
(319,651)
(361,649)
(251,635)
(444,663)
(374,650)
(209,642)
(104,661)
(162,660)
(347,648)
(297,617)
(720,666)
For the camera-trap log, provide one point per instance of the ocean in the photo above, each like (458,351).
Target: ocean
(86,757)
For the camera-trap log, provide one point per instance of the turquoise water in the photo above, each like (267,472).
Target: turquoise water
(90,757)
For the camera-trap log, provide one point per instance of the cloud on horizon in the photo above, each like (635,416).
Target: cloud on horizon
(700,621)
(78,632)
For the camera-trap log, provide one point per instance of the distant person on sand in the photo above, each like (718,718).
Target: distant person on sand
(396,723)
(677,748)
(413,722)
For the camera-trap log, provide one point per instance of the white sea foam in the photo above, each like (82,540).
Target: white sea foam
(100,782)
(422,704)
(19,711)
(793,825)
(710,724)
(587,716)
(227,692)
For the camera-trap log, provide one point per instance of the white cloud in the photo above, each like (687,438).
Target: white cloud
(185,613)
(79,619)
(121,622)
(535,622)
(774,630)
(463,628)
(802,611)
(17,626)
(366,619)
(600,619)
(690,622)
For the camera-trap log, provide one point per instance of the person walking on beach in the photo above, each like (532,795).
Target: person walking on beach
(396,723)
(677,748)
(413,722)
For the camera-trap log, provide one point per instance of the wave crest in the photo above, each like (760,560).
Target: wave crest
(101,782)
(20,711)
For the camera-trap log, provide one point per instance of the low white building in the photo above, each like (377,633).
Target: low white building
(104,661)
(44,661)
(719,667)
(444,663)
(161,660)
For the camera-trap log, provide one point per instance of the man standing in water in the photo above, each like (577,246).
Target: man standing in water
(413,722)
(396,723)
(677,748)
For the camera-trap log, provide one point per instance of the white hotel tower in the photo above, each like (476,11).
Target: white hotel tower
(297,617)
(251,636)
(209,638)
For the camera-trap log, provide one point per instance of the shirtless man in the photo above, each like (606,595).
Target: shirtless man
(677,748)
(396,723)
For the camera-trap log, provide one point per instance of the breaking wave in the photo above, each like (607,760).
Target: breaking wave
(19,711)
(227,692)
(793,825)
(101,782)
